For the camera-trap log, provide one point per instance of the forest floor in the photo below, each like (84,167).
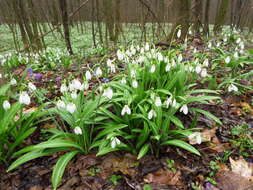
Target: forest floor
(226,161)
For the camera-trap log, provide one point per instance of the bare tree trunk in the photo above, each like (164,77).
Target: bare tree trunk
(206,17)
(65,21)
(221,15)
(197,14)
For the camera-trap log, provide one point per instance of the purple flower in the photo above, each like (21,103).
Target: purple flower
(38,77)
(208,186)
(58,81)
(105,80)
(30,72)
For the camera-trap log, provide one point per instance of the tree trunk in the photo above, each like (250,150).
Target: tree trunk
(221,16)
(206,18)
(65,22)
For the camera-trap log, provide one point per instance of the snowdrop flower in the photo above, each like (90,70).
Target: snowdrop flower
(190,32)
(114,142)
(238,40)
(88,75)
(123,80)
(60,104)
(203,73)
(174,103)
(198,69)
(147,47)
(71,107)
(141,59)
(98,72)
(206,63)
(109,62)
(126,110)
(179,32)
(194,50)
(63,88)
(218,44)
(184,109)
(168,102)
(236,55)
(113,68)
(242,46)
(135,84)
(151,114)
(120,55)
(73,95)
(209,45)
(1,76)
(195,138)
(133,73)
(241,51)
(31,86)
(142,50)
(152,69)
(160,57)
(108,93)
(78,130)
(158,101)
(6,105)
(180,58)
(232,87)
(75,85)
(13,81)
(167,68)
(227,60)
(133,50)
(24,98)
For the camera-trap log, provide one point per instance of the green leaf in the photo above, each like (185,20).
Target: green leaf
(182,144)
(208,114)
(176,121)
(56,143)
(143,151)
(60,167)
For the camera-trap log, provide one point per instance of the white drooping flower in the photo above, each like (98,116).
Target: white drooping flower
(24,98)
(180,58)
(206,63)
(203,73)
(123,80)
(73,95)
(147,47)
(126,110)
(13,81)
(195,138)
(179,32)
(120,55)
(152,69)
(98,72)
(184,109)
(198,69)
(88,75)
(134,84)
(158,101)
(160,57)
(236,55)
(108,93)
(75,85)
(168,102)
(109,62)
(232,87)
(195,50)
(60,104)
(174,103)
(113,68)
(133,73)
(1,76)
(6,105)
(63,88)
(238,40)
(227,60)
(151,114)
(167,68)
(209,45)
(31,86)
(71,107)
(114,142)
(85,85)
(78,130)
(141,59)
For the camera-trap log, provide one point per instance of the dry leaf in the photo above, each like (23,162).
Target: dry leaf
(241,167)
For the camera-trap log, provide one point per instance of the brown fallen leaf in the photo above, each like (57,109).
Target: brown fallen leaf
(241,167)
(227,180)
(163,176)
